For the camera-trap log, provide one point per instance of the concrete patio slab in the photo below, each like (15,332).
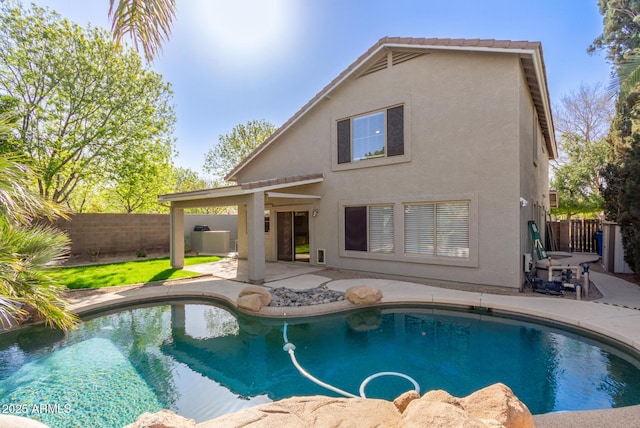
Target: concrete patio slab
(237,270)
(300,282)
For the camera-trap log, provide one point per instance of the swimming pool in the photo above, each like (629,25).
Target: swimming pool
(203,361)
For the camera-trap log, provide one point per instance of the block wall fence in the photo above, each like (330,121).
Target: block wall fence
(110,234)
(115,234)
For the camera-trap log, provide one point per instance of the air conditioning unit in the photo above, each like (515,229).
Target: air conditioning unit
(553,198)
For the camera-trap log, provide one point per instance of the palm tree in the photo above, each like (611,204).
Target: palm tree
(148,22)
(28,249)
(26,254)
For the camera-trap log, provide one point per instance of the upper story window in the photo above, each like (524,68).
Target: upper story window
(374,135)
(368,136)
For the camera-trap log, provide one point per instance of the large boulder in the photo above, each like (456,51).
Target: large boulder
(250,302)
(437,414)
(253,298)
(498,402)
(403,400)
(363,295)
(491,407)
(162,419)
(314,411)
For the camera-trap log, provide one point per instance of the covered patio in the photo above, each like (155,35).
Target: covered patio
(251,197)
(235,269)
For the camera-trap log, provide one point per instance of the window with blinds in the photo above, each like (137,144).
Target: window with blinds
(368,136)
(369,228)
(381,229)
(437,229)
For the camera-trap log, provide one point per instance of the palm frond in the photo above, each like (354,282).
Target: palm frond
(17,202)
(148,23)
(26,255)
(627,77)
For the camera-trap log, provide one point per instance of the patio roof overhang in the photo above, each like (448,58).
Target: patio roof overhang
(231,193)
(250,194)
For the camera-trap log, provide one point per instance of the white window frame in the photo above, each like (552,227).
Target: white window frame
(371,107)
(357,138)
(398,202)
(424,236)
(380,230)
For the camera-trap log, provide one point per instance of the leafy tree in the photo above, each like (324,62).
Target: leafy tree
(186,179)
(578,181)
(89,197)
(136,181)
(622,177)
(582,122)
(621,36)
(232,148)
(83,105)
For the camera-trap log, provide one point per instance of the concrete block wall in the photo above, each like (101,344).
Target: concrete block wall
(116,233)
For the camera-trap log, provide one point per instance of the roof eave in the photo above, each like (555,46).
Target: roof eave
(239,190)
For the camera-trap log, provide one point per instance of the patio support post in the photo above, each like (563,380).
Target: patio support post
(176,237)
(255,235)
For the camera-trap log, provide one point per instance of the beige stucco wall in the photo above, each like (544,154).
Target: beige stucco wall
(464,137)
(534,173)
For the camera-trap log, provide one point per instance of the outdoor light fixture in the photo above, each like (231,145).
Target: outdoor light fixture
(315,213)
(523,202)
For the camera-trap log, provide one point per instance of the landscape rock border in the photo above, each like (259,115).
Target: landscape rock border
(491,407)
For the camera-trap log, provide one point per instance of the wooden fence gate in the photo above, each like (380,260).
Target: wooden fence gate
(582,234)
(576,235)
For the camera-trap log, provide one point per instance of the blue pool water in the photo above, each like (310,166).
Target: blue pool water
(204,361)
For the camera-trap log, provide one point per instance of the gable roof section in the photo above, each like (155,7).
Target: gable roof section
(374,59)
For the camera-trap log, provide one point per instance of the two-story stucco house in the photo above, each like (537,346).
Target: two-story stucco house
(424,158)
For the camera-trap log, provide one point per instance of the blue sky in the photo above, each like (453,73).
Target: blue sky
(233,61)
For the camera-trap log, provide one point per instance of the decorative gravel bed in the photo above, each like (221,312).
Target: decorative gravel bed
(312,296)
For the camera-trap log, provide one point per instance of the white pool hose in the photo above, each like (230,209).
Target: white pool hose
(290,348)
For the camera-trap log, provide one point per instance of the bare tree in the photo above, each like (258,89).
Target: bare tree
(586,113)
(582,121)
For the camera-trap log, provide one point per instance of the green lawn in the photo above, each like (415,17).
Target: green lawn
(125,273)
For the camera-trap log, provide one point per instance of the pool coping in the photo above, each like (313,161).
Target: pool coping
(615,322)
